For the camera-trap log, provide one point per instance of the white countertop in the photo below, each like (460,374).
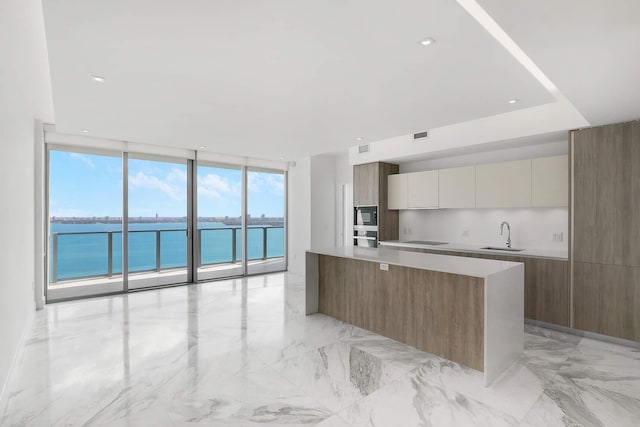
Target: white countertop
(455,247)
(474,267)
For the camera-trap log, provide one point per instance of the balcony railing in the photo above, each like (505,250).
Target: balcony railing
(99,253)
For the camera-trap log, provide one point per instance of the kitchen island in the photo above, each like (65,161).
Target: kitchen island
(470,311)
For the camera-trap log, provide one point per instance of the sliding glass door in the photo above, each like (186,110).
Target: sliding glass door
(85,223)
(184,221)
(266,234)
(219,231)
(158,222)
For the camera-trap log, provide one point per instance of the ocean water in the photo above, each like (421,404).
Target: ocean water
(86,255)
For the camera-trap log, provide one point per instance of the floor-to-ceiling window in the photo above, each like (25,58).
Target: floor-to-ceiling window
(266,242)
(158,225)
(122,221)
(85,223)
(219,239)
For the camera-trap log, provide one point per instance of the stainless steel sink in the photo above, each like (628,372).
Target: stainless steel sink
(501,248)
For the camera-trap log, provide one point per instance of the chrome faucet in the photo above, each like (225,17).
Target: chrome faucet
(508,232)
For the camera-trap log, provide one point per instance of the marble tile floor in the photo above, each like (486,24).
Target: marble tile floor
(242,353)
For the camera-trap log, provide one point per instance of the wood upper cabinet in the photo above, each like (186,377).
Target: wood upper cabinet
(504,185)
(457,187)
(370,188)
(422,189)
(366,186)
(606,192)
(550,182)
(397,188)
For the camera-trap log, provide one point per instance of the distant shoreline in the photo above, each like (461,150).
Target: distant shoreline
(262,220)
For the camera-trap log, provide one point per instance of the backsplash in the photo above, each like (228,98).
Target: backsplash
(531,228)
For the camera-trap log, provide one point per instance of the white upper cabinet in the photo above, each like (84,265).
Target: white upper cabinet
(504,185)
(542,182)
(457,187)
(422,189)
(397,191)
(550,182)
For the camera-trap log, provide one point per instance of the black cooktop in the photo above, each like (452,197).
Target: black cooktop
(427,242)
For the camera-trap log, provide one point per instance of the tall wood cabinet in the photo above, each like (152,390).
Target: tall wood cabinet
(370,188)
(366,188)
(606,230)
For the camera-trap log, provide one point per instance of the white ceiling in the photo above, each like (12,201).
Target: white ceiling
(290,78)
(590,49)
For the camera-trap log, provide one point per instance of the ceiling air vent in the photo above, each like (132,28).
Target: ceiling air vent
(421,135)
(363,148)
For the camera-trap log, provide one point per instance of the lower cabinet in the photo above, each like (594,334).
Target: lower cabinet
(605,299)
(546,285)
(546,291)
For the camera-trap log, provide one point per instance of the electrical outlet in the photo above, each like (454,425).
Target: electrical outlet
(557,237)
(384,267)
(465,233)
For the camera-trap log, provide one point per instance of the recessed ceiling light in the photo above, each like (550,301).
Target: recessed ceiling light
(202,147)
(513,101)
(98,79)
(359,138)
(427,41)
(85,130)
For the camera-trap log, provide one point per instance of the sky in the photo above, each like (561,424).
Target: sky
(87,185)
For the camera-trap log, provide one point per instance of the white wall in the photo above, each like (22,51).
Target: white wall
(314,204)
(494,156)
(323,201)
(25,95)
(535,123)
(344,200)
(344,170)
(530,228)
(299,214)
